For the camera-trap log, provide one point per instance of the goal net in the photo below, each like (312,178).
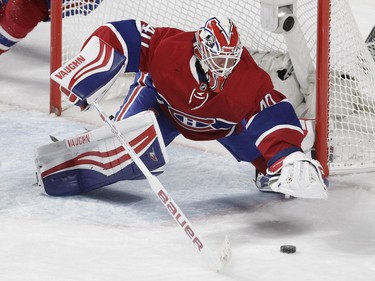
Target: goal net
(345,111)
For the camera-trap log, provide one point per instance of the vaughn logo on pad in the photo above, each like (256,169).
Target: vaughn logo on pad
(70,67)
(76,141)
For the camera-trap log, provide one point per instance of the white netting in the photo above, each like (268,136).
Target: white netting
(352,80)
(352,97)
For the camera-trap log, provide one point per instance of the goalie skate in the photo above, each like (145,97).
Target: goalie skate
(262,182)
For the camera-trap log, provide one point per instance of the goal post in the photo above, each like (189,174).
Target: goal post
(329,61)
(55,55)
(322,84)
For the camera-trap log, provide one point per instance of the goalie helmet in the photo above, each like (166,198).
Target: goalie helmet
(218,48)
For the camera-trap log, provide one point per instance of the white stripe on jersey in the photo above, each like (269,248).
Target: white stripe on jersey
(145,45)
(147,31)
(4,48)
(274,129)
(146,36)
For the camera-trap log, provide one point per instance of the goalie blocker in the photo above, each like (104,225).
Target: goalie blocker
(88,76)
(96,158)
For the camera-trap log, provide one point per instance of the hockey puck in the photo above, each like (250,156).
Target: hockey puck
(288,249)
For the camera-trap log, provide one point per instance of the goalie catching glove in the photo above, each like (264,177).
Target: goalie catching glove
(88,76)
(298,176)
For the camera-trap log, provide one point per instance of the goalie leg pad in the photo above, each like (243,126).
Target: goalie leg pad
(96,159)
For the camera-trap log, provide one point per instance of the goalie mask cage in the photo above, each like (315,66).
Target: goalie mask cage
(342,68)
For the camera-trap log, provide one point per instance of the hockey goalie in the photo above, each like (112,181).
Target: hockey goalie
(203,84)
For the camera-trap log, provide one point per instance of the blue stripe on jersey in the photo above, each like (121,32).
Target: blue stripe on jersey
(6,42)
(242,145)
(129,32)
(281,113)
(282,154)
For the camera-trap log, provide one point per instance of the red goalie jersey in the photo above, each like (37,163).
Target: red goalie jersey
(246,101)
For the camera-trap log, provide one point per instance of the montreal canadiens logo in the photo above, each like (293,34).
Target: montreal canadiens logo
(195,123)
(199,124)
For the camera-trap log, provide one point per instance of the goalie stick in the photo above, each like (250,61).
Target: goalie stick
(215,262)
(84,89)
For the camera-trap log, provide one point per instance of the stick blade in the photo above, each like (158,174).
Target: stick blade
(217,260)
(225,251)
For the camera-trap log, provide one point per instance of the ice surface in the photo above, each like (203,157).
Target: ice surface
(123,232)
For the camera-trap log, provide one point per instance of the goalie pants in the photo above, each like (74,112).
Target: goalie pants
(142,96)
